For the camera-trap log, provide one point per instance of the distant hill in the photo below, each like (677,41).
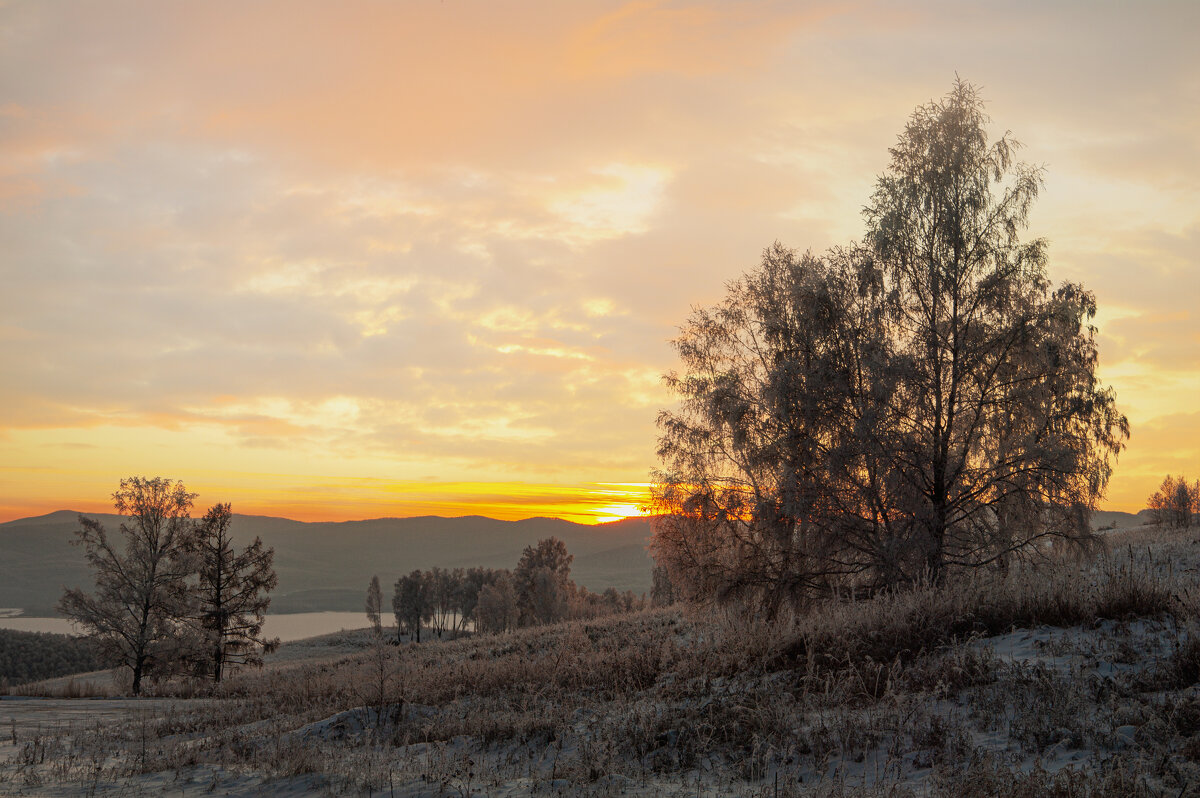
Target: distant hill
(326,565)
(1114,519)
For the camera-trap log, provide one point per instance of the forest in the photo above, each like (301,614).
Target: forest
(33,656)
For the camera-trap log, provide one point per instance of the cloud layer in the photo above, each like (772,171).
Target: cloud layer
(274,248)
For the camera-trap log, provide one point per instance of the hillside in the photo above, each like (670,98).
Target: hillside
(326,565)
(29,656)
(1115,519)
(1068,677)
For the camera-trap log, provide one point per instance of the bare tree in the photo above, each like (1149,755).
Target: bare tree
(142,594)
(586,604)
(548,598)
(917,402)
(231,595)
(378,689)
(470,582)
(411,604)
(381,664)
(1175,501)
(542,581)
(374,605)
(774,482)
(497,609)
(442,589)
(996,373)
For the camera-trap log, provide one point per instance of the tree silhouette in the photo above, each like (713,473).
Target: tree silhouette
(497,609)
(142,597)
(411,604)
(1174,502)
(231,594)
(374,605)
(542,581)
(918,401)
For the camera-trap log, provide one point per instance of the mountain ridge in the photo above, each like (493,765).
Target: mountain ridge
(326,565)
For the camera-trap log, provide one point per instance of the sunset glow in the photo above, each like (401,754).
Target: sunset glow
(344,261)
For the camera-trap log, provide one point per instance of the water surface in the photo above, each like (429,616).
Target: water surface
(293,626)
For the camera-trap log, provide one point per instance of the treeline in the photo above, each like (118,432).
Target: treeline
(33,656)
(537,591)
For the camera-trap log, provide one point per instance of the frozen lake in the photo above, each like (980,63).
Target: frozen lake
(294,626)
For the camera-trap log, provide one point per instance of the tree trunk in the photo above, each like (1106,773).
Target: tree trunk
(934,556)
(137,676)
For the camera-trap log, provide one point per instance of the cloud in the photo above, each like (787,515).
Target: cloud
(427,240)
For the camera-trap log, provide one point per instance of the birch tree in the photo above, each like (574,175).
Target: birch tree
(138,609)
(917,402)
(374,605)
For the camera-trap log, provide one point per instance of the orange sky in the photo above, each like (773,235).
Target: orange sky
(364,259)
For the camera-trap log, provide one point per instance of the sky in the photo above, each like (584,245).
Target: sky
(363,259)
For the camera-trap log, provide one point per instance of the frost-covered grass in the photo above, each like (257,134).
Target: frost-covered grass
(1078,677)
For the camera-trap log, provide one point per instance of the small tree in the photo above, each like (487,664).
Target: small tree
(374,605)
(411,604)
(497,609)
(549,597)
(382,668)
(232,594)
(542,581)
(378,686)
(1174,502)
(442,591)
(469,585)
(141,598)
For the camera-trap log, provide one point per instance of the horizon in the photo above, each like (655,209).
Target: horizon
(586,504)
(110,511)
(608,520)
(428,258)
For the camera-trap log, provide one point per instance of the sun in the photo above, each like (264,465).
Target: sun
(616,512)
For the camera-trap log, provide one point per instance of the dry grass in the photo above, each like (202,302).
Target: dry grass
(98,685)
(903,692)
